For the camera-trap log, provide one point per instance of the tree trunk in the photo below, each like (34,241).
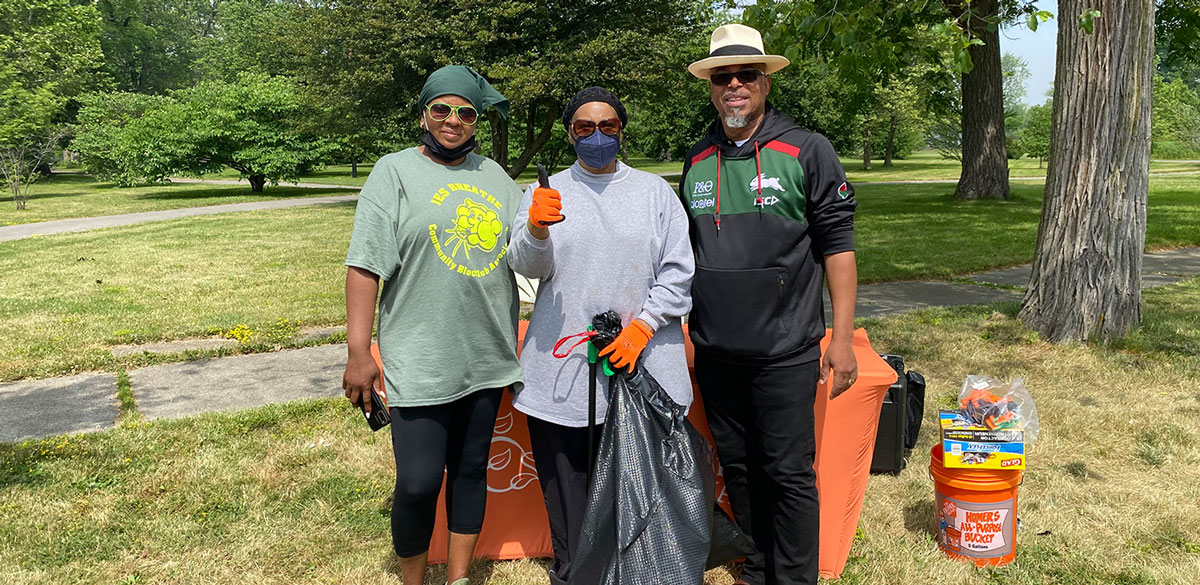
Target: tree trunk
(866,133)
(354,169)
(499,125)
(534,143)
(890,151)
(984,154)
(257,182)
(1087,279)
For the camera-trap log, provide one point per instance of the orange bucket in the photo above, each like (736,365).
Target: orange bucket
(976,511)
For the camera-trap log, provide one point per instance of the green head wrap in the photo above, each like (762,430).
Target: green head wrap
(464,82)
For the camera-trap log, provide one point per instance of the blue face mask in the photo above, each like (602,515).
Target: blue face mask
(597,150)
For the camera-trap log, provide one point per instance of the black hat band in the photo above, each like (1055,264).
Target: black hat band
(730,50)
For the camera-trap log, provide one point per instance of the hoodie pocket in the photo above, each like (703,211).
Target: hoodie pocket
(739,312)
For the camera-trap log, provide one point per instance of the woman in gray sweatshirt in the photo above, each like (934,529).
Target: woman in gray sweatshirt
(622,245)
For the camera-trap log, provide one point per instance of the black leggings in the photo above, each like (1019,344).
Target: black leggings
(455,437)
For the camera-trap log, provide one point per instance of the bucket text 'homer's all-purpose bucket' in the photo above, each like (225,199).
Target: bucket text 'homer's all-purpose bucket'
(976,511)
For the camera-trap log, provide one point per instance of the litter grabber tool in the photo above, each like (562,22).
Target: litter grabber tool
(604,329)
(544,183)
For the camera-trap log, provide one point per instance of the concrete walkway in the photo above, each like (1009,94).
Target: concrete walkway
(39,408)
(45,228)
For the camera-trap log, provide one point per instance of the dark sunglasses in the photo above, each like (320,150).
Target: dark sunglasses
(609,127)
(744,76)
(440,112)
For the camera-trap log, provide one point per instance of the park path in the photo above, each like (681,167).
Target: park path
(31,409)
(82,224)
(27,230)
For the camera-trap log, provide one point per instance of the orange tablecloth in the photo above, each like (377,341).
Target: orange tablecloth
(515,525)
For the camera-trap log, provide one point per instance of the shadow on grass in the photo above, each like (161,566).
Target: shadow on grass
(919,519)
(55,182)
(176,193)
(480,570)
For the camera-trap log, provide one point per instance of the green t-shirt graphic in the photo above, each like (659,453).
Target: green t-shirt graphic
(437,236)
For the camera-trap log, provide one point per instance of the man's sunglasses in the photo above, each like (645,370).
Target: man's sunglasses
(440,112)
(609,127)
(744,76)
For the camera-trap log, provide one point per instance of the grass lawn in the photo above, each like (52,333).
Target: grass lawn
(921,166)
(70,196)
(300,493)
(907,232)
(66,299)
(929,165)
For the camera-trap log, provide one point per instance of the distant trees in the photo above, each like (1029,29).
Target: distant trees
(1175,131)
(256,125)
(1016,73)
(869,41)
(48,55)
(369,68)
(1177,40)
(1035,135)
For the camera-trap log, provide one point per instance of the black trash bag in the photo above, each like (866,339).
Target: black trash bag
(728,541)
(915,409)
(607,326)
(649,517)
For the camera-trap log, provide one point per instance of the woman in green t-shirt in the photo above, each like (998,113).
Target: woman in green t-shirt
(433,223)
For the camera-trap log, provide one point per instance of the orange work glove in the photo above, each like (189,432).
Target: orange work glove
(623,352)
(546,208)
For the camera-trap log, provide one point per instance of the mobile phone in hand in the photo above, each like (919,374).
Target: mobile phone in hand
(379,416)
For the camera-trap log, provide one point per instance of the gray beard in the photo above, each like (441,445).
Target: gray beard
(735,121)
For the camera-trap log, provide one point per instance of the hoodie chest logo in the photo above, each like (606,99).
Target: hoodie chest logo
(764,182)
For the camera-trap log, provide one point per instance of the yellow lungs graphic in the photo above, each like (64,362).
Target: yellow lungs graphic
(475,226)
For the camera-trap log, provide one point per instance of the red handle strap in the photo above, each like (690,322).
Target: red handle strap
(585,336)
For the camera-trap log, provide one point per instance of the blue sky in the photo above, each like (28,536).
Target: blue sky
(1037,49)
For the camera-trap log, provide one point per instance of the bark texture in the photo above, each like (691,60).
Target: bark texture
(890,151)
(1086,281)
(538,129)
(984,152)
(866,135)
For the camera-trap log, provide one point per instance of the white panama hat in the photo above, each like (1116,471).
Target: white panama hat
(733,44)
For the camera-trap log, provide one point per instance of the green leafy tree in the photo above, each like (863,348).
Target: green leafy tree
(870,45)
(1035,136)
(1016,73)
(1177,40)
(254,126)
(250,36)
(369,69)
(116,134)
(663,126)
(150,45)
(873,37)
(1175,122)
(49,53)
(28,134)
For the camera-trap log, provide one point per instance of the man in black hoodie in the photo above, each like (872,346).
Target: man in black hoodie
(771,216)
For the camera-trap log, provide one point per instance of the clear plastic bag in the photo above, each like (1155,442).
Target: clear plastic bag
(997,405)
